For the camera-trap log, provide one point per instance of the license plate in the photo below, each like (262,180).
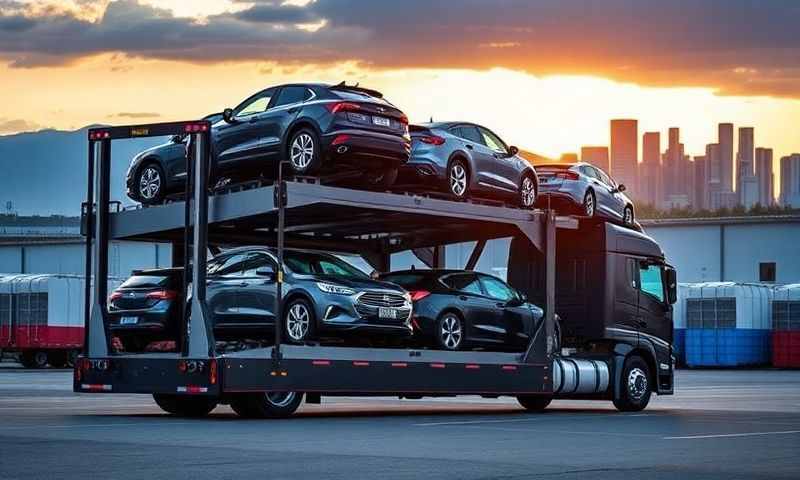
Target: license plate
(388,313)
(384,122)
(129,320)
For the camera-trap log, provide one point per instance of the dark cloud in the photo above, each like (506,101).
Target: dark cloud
(737,46)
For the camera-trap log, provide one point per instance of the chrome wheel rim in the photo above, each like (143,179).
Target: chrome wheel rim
(451,332)
(297,321)
(628,216)
(281,399)
(149,183)
(588,204)
(528,192)
(458,179)
(637,384)
(302,152)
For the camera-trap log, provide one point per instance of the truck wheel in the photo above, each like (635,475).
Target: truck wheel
(57,358)
(34,359)
(185,406)
(266,404)
(635,390)
(534,403)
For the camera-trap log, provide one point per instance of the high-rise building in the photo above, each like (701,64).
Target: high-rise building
(790,180)
(700,184)
(650,179)
(747,186)
(624,163)
(725,141)
(712,173)
(597,156)
(766,179)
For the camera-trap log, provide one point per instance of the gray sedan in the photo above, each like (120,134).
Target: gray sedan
(467,160)
(585,188)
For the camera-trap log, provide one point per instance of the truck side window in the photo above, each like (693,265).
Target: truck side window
(651,281)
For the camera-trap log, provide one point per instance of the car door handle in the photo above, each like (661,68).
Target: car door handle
(242,284)
(469,146)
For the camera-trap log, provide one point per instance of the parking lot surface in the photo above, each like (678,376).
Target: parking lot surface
(721,424)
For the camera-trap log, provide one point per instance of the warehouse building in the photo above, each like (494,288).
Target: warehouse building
(732,249)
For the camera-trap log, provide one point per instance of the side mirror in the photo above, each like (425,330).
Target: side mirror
(265,272)
(515,302)
(227,115)
(621,187)
(672,285)
(512,150)
(176,139)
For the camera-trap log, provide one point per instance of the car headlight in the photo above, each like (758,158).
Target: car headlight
(407,296)
(337,289)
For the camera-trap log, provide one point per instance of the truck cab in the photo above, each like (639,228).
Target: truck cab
(614,296)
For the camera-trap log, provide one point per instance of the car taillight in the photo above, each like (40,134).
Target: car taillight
(343,107)
(404,119)
(419,295)
(114,296)
(162,295)
(431,139)
(567,175)
(340,139)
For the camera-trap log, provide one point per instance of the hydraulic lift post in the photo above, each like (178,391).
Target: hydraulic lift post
(96,340)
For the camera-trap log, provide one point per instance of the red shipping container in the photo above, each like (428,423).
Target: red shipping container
(786,349)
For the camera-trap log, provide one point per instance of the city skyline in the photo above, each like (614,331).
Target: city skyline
(723,177)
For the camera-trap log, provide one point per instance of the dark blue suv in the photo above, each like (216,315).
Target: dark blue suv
(348,133)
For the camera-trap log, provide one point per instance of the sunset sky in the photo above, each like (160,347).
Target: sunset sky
(547,76)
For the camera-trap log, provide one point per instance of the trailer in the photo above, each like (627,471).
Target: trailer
(271,380)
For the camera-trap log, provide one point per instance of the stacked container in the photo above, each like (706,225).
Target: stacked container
(728,324)
(679,324)
(786,327)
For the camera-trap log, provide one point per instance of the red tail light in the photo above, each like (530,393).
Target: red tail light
(114,295)
(340,139)
(212,371)
(163,295)
(343,107)
(404,119)
(567,175)
(419,295)
(432,139)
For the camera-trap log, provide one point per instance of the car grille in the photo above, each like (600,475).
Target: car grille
(369,303)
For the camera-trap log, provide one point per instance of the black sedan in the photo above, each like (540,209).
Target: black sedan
(146,307)
(467,160)
(345,133)
(456,309)
(323,296)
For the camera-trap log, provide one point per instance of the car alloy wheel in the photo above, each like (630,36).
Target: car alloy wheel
(458,179)
(149,183)
(528,192)
(589,204)
(298,320)
(450,332)
(302,152)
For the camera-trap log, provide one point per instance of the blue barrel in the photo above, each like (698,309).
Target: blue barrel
(727,347)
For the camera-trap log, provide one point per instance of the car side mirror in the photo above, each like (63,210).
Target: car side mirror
(515,302)
(621,187)
(177,139)
(512,150)
(227,115)
(672,286)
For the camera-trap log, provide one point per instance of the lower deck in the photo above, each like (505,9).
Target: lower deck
(324,370)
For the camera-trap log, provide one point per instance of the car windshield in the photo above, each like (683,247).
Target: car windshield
(146,281)
(310,263)
(405,279)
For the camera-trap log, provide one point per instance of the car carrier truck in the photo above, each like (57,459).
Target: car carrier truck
(610,286)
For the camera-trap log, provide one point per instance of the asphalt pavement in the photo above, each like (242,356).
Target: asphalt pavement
(721,424)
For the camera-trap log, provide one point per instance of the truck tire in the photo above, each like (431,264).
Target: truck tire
(184,405)
(266,404)
(534,403)
(33,359)
(635,390)
(57,358)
